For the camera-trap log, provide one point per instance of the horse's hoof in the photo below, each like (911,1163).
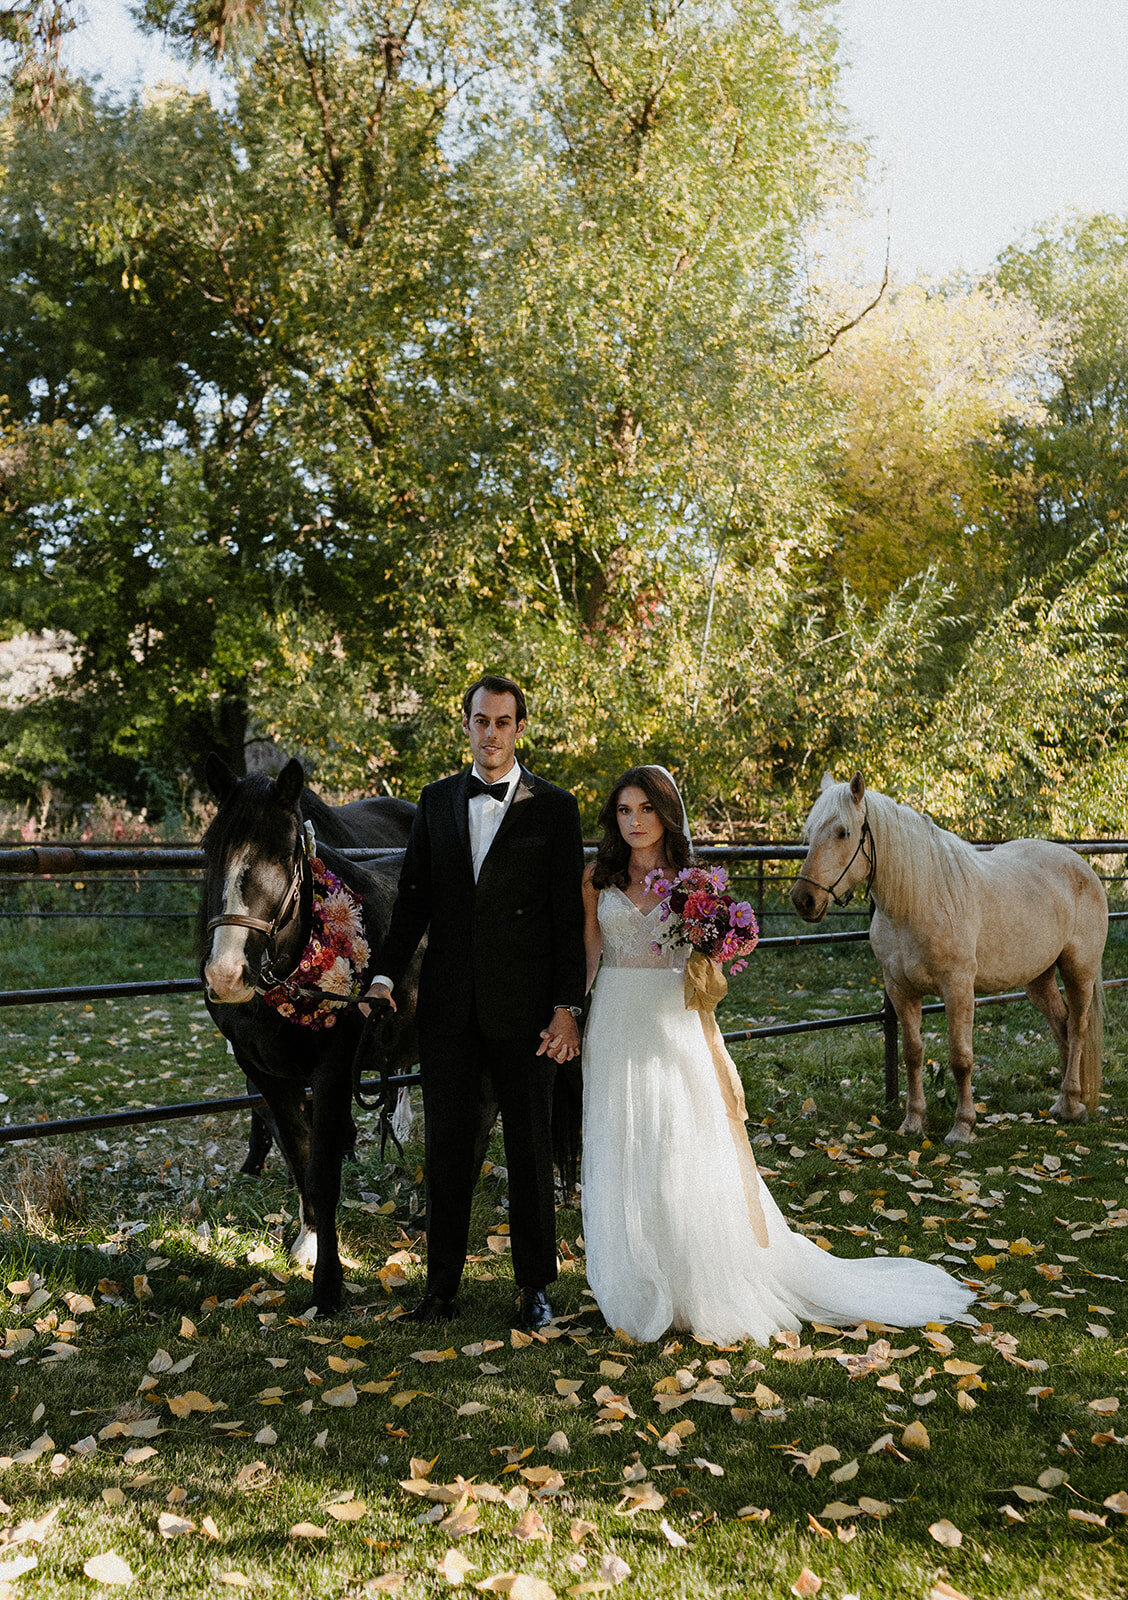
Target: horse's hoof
(911,1126)
(327,1302)
(1061,1111)
(958,1134)
(303,1251)
(252,1169)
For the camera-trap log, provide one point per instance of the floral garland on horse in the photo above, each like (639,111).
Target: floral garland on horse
(334,958)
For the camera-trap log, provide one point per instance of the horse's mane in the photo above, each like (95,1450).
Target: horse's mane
(919,865)
(323,817)
(248,812)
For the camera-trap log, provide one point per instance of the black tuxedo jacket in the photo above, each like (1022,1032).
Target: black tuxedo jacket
(505,950)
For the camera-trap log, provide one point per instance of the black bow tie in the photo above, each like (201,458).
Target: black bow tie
(496,791)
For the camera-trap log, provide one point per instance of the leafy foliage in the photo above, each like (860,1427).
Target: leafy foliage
(484,341)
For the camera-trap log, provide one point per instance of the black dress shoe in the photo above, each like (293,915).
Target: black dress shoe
(533,1310)
(432,1308)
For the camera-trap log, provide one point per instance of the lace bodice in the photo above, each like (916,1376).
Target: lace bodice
(628,934)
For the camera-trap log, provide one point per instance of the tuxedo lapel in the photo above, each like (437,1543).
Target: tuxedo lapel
(524,792)
(460,799)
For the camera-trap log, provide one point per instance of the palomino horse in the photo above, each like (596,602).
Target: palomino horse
(950,920)
(278,922)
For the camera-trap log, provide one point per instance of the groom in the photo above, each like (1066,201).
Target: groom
(492,876)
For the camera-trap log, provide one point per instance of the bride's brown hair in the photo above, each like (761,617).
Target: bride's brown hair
(613,857)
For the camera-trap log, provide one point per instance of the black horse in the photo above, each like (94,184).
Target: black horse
(258,909)
(382,823)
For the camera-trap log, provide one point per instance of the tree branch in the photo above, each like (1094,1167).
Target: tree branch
(846,326)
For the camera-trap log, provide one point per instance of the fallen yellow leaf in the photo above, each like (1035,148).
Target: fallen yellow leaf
(347,1510)
(169,1525)
(181,1405)
(915,1437)
(108,1568)
(807,1583)
(947,1534)
(454,1566)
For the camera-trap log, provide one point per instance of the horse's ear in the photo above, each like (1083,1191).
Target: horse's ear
(288,783)
(827,781)
(857,788)
(220,778)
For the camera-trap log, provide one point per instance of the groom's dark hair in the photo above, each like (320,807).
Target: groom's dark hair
(492,683)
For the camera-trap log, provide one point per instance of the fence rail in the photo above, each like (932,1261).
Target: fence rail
(50,860)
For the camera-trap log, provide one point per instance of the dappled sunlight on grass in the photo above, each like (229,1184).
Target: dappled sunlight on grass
(171,1405)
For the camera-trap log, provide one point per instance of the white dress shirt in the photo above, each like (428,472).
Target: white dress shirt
(486,814)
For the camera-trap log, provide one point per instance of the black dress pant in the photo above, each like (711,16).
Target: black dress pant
(467,1080)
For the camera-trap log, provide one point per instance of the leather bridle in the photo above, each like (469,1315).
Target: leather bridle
(869,856)
(288,906)
(301,875)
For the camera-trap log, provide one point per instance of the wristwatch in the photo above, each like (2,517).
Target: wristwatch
(576,1011)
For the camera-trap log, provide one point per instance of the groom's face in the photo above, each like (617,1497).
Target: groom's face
(493,731)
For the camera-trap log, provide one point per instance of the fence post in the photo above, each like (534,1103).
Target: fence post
(889,1029)
(760,892)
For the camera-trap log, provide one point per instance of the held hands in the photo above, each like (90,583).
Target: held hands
(378,991)
(560,1041)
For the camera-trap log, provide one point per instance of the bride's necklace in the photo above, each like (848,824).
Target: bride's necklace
(640,883)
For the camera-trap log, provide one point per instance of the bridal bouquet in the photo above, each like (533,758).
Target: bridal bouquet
(703,914)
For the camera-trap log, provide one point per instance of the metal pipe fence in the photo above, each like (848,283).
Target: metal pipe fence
(36,861)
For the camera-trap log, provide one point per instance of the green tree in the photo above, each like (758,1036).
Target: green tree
(1073,464)
(478,344)
(931,383)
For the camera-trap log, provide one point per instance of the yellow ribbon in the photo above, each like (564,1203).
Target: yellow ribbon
(705,987)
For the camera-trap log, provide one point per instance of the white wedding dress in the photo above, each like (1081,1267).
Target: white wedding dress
(668,1227)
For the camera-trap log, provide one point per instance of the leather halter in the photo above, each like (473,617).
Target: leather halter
(287,906)
(868,856)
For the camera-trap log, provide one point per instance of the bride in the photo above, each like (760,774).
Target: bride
(679,1228)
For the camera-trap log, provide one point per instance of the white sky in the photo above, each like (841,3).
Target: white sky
(985,116)
(107,43)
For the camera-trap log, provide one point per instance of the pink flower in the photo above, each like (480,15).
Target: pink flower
(702,913)
(339,917)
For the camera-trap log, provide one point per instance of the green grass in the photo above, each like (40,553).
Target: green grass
(117,1248)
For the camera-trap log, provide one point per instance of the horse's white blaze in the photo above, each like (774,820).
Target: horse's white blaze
(226,968)
(303,1251)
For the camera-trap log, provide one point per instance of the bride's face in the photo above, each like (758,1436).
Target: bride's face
(639,823)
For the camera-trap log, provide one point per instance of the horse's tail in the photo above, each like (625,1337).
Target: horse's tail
(1092,1051)
(567,1119)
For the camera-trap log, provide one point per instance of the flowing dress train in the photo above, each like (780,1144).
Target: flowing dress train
(669,1188)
